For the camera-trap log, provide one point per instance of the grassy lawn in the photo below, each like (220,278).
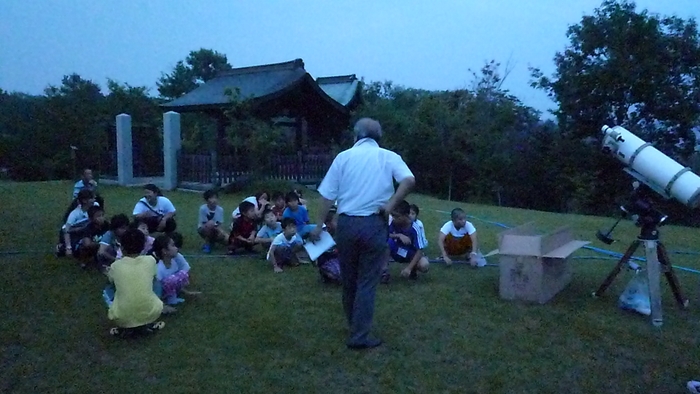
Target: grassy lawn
(255,331)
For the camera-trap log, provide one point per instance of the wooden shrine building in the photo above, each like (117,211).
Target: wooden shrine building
(315,111)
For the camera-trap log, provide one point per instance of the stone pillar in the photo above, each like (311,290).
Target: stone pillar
(171,148)
(125,151)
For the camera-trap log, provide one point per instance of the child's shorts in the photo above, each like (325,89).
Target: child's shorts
(285,256)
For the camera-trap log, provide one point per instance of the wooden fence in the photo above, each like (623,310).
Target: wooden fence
(197,168)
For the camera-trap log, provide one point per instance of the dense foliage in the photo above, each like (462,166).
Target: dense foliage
(621,66)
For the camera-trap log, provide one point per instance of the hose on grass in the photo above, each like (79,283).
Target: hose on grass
(612,255)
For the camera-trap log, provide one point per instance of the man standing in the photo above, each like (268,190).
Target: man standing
(361,179)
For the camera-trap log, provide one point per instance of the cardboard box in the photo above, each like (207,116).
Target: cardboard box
(534,267)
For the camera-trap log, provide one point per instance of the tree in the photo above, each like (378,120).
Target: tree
(254,141)
(630,68)
(199,67)
(73,116)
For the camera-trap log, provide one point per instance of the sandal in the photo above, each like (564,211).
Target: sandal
(157,325)
(115,331)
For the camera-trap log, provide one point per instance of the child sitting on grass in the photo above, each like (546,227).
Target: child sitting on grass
(173,271)
(270,229)
(72,232)
(328,263)
(135,307)
(285,246)
(403,242)
(110,247)
(280,205)
(211,216)
(418,225)
(298,213)
(244,229)
(86,250)
(142,226)
(457,238)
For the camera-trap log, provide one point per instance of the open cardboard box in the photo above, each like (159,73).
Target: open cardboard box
(534,267)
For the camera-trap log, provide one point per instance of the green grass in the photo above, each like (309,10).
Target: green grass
(254,331)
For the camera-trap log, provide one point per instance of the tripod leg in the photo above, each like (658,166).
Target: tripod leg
(654,274)
(608,281)
(671,276)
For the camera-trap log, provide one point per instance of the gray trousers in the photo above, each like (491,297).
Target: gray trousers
(362,246)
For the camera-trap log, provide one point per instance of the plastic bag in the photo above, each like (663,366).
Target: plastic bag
(636,294)
(480,259)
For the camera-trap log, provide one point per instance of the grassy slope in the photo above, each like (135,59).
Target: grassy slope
(253,331)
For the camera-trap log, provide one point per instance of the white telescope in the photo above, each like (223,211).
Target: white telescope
(646,163)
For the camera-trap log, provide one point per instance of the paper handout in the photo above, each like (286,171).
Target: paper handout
(315,249)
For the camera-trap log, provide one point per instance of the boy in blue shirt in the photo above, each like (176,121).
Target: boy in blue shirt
(298,213)
(404,245)
(269,230)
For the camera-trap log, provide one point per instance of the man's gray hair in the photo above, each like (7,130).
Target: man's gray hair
(368,128)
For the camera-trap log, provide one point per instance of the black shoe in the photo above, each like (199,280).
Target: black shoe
(369,344)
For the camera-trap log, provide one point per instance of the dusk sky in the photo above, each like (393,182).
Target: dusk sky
(420,44)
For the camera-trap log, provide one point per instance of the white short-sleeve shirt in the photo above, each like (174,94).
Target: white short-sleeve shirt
(163,206)
(362,178)
(449,228)
(281,240)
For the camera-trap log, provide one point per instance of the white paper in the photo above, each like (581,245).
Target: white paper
(315,249)
(402,252)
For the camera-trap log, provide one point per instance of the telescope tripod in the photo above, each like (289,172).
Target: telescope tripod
(657,262)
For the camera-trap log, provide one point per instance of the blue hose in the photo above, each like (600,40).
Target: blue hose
(612,254)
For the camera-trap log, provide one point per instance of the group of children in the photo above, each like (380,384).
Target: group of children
(276,228)
(407,241)
(147,274)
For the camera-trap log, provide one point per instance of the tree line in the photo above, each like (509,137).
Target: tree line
(621,66)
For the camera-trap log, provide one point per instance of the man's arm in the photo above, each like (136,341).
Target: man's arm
(405,187)
(326,205)
(329,192)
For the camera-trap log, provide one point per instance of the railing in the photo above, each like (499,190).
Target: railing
(197,168)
